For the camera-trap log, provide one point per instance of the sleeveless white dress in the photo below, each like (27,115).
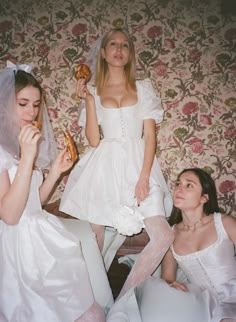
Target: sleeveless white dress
(101,186)
(213,270)
(43,275)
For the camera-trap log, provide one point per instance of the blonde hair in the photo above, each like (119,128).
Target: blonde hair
(102,67)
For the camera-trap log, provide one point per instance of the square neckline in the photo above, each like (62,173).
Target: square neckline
(116,108)
(214,244)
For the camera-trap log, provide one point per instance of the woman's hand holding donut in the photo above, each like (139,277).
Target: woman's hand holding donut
(81,88)
(61,164)
(29,138)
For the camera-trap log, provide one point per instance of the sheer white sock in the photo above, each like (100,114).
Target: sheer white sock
(161,237)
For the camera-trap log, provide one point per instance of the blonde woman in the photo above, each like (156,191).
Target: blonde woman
(119,183)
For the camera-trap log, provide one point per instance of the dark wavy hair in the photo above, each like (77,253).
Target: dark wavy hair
(23,79)
(208,187)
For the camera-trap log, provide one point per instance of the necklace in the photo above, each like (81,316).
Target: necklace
(194,224)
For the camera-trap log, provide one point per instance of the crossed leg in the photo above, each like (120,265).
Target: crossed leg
(161,237)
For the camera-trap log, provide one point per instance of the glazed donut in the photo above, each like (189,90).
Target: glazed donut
(37,124)
(83,71)
(69,142)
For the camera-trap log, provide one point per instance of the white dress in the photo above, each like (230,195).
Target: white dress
(101,187)
(43,275)
(213,270)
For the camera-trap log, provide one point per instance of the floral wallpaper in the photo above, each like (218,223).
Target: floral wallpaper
(187,48)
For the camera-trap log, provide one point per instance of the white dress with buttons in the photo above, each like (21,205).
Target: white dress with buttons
(101,187)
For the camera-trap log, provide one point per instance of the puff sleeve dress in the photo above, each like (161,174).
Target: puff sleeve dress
(101,186)
(43,275)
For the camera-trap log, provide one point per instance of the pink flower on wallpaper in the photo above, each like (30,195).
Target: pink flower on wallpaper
(160,68)
(230,132)
(5,26)
(205,119)
(227,186)
(169,43)
(190,108)
(154,32)
(196,145)
(194,56)
(43,50)
(78,29)
(230,34)
(75,126)
(53,114)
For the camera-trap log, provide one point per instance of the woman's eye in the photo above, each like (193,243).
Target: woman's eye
(189,185)
(21,104)
(37,106)
(177,184)
(126,45)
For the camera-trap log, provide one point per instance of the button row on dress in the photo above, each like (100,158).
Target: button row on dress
(122,122)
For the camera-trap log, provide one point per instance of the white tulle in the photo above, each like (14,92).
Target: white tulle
(10,129)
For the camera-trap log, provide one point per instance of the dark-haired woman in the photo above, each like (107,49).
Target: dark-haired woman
(43,275)
(199,271)
(203,252)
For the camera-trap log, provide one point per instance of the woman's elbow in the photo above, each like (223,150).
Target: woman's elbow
(94,143)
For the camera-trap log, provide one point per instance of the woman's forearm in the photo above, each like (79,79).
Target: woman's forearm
(150,148)
(92,128)
(47,186)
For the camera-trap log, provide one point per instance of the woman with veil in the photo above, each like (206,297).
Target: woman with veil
(43,275)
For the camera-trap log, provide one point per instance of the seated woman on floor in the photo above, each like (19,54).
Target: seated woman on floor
(43,274)
(203,255)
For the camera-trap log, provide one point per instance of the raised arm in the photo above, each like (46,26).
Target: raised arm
(60,165)
(92,127)
(13,197)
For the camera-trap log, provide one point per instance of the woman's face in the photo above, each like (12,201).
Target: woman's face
(188,192)
(28,104)
(117,50)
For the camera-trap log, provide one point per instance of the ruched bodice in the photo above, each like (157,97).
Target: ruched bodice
(118,123)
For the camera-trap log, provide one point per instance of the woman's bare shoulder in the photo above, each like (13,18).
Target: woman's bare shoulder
(229,223)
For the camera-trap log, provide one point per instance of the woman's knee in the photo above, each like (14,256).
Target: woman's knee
(159,230)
